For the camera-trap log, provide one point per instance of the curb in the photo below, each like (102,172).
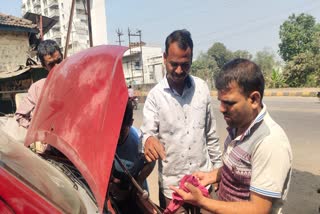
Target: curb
(268,92)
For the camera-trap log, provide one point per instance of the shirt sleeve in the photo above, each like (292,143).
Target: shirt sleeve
(271,167)
(23,114)
(212,137)
(150,125)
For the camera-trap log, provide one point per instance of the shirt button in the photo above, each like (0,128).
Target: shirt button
(187,132)
(189,148)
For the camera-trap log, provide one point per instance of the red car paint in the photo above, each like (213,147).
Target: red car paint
(79,113)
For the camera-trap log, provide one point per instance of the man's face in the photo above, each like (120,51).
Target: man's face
(178,63)
(51,60)
(237,109)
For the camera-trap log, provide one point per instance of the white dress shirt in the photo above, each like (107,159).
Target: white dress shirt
(186,126)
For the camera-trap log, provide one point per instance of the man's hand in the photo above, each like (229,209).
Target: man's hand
(154,150)
(206,178)
(194,197)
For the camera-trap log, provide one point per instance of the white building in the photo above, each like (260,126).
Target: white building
(79,35)
(143,66)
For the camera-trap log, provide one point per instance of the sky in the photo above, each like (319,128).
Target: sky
(240,25)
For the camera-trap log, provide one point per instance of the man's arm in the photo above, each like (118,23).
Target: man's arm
(257,203)
(152,148)
(212,137)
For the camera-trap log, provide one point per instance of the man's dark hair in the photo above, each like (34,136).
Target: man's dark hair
(47,47)
(128,115)
(182,37)
(245,73)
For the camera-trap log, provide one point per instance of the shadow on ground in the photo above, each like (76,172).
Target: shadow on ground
(304,193)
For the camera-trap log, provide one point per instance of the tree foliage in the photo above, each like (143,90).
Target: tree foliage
(205,67)
(297,36)
(267,62)
(277,79)
(220,54)
(303,70)
(242,54)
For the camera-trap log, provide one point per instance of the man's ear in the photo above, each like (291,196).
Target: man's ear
(255,99)
(165,57)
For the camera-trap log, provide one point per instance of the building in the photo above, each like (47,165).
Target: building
(17,37)
(60,11)
(143,65)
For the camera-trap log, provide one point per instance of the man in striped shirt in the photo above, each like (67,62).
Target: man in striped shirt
(257,157)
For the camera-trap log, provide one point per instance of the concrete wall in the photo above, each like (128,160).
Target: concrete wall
(13,50)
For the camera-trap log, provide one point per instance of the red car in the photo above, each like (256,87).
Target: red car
(79,114)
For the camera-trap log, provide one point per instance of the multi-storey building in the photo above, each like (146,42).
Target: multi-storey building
(60,11)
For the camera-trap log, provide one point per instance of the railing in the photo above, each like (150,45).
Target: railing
(53,3)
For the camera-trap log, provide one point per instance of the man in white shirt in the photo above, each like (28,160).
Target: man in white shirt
(179,127)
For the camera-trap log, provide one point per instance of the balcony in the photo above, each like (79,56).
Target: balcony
(56,35)
(53,4)
(55,14)
(36,4)
(56,27)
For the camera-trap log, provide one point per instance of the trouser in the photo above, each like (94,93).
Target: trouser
(185,208)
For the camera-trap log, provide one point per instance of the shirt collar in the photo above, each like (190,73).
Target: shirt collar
(258,119)
(189,83)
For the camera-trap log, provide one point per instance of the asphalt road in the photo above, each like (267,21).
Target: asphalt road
(300,118)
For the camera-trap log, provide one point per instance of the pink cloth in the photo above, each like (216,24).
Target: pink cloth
(23,114)
(177,201)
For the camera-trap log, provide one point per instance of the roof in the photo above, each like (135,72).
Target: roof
(17,24)
(47,23)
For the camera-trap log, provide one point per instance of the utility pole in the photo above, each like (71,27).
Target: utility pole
(130,57)
(119,33)
(69,28)
(137,34)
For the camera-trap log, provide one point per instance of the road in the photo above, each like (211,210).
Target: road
(300,118)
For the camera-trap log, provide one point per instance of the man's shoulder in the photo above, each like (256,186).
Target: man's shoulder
(198,82)
(38,84)
(274,135)
(159,87)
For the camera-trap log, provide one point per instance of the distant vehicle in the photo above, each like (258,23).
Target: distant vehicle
(79,113)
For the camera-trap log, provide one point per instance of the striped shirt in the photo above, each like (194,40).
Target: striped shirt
(257,161)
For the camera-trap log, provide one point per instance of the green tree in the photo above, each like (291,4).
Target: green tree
(205,67)
(267,61)
(242,54)
(220,53)
(297,36)
(303,70)
(277,79)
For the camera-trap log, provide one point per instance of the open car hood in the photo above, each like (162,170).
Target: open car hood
(80,112)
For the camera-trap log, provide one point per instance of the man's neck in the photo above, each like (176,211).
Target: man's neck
(241,130)
(177,87)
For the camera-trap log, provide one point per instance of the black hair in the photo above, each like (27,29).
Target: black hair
(245,73)
(182,37)
(47,47)
(128,115)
